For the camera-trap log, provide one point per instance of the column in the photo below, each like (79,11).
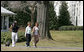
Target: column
(7,20)
(2,22)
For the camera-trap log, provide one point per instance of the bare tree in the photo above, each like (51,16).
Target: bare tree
(18,5)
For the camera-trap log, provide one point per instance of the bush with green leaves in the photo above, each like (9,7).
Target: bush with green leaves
(21,36)
(6,36)
(71,28)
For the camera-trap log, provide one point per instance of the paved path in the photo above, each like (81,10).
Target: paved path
(50,47)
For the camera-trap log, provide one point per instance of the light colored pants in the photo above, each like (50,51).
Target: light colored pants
(14,38)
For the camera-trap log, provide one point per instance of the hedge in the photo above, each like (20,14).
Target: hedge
(71,28)
(6,36)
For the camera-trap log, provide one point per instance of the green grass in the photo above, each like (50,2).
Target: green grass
(68,38)
(61,39)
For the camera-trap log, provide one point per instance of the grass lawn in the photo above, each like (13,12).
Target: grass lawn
(61,39)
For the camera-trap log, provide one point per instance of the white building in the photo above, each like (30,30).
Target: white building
(75,9)
(5,18)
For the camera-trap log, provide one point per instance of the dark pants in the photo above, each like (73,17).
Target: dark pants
(28,39)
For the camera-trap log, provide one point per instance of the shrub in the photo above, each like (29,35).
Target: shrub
(71,28)
(6,36)
(21,36)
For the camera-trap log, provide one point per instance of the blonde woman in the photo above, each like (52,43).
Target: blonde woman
(28,34)
(36,34)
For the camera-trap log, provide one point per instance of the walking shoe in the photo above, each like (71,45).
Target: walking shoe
(35,46)
(28,46)
(13,46)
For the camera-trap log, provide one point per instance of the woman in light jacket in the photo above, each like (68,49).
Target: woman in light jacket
(36,34)
(28,34)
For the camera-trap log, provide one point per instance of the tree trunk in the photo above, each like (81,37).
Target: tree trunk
(32,19)
(42,19)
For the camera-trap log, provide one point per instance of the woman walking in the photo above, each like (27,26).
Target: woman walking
(36,34)
(28,34)
(14,28)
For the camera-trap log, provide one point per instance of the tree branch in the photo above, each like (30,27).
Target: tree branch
(26,12)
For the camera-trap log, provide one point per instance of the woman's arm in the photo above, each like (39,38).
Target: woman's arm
(25,31)
(10,28)
(33,31)
(39,33)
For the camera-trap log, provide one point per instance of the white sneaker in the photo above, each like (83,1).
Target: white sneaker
(13,46)
(35,46)
(28,46)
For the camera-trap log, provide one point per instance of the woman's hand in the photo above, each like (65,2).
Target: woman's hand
(10,29)
(25,35)
(39,35)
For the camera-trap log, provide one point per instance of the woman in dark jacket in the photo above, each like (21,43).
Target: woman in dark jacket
(14,28)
